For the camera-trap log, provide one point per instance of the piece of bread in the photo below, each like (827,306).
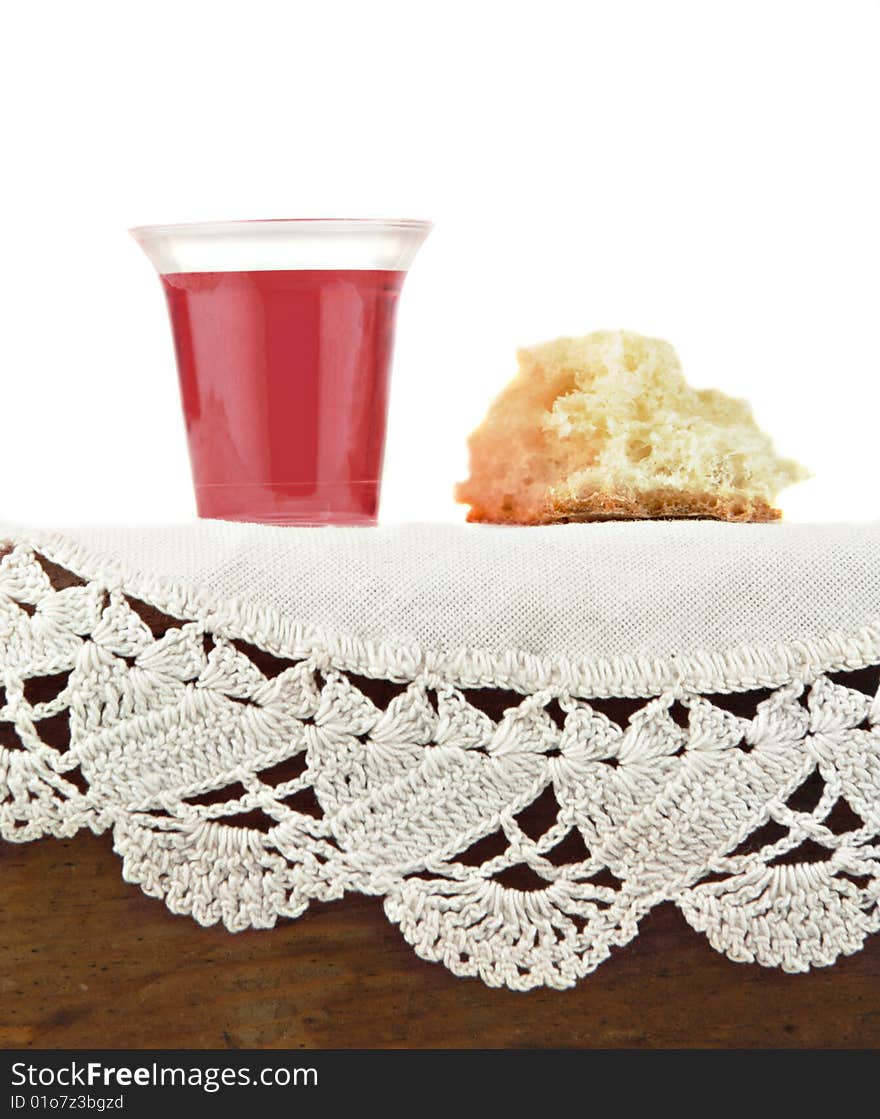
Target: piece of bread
(606,427)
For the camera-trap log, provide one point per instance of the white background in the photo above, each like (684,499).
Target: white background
(706,172)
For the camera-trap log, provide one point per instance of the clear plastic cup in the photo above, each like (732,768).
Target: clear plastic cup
(284,332)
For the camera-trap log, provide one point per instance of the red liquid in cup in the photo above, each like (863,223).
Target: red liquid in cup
(284,379)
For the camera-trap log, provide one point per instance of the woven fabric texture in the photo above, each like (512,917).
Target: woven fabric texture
(521,740)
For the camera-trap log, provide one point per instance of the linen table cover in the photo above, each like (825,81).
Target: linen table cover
(521,739)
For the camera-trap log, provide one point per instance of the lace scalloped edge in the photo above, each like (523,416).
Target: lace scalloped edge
(518,815)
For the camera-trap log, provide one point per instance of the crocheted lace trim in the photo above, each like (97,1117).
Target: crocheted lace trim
(515,835)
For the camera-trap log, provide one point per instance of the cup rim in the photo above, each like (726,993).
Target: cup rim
(247,224)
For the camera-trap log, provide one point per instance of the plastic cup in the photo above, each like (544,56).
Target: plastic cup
(283,332)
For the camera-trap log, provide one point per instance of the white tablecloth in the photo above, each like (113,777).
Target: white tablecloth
(428,713)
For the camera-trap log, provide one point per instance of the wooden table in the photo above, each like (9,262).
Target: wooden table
(87,960)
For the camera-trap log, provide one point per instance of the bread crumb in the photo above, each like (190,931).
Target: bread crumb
(605,427)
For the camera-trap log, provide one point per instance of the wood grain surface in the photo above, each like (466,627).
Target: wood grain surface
(86,960)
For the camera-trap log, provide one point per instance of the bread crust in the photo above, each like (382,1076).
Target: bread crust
(663,503)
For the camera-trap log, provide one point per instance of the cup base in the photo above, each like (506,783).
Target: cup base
(304,521)
(344,503)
